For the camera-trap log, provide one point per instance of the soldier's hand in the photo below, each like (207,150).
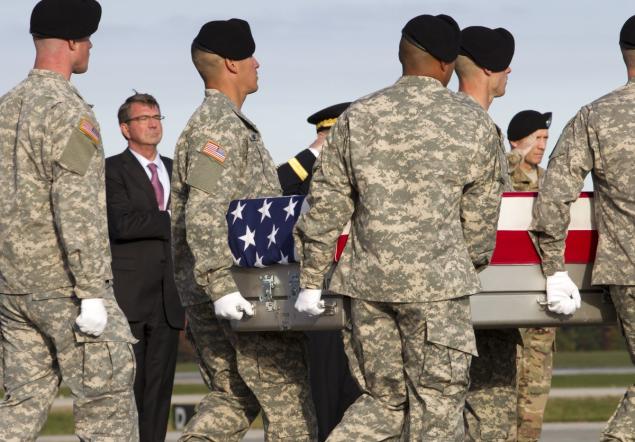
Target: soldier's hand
(309,302)
(93,317)
(563,296)
(233,306)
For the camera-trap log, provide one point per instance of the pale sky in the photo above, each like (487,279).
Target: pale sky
(317,53)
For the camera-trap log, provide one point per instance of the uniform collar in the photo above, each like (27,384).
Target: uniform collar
(421,81)
(216,95)
(56,76)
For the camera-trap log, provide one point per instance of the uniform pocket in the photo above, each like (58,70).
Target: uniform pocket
(449,348)
(108,367)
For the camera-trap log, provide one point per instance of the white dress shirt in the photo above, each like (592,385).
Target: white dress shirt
(162,172)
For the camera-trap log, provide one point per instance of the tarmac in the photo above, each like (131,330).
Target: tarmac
(554,432)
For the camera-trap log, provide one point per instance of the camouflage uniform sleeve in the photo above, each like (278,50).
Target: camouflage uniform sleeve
(480,203)
(513,160)
(78,199)
(331,205)
(211,185)
(569,163)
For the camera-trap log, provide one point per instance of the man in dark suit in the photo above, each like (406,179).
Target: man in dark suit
(138,191)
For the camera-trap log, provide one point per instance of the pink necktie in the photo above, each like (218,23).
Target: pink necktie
(156,185)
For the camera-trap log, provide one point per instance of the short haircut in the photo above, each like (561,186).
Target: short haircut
(123,115)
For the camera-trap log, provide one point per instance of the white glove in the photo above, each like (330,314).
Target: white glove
(232,306)
(309,302)
(93,317)
(563,296)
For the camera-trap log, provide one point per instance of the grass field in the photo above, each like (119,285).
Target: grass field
(591,359)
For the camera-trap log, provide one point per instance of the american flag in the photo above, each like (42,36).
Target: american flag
(261,230)
(213,150)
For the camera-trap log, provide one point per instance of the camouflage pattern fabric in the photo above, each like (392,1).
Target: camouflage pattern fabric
(535,369)
(520,181)
(621,424)
(54,251)
(43,348)
(1,364)
(219,157)
(490,406)
(384,167)
(430,367)
(600,139)
(52,163)
(247,372)
(203,184)
(535,357)
(422,219)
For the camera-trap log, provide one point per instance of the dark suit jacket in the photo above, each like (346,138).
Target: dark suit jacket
(140,242)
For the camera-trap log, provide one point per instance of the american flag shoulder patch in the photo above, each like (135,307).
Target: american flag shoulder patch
(88,129)
(214,151)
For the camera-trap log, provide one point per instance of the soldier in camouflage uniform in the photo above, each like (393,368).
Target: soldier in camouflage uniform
(422,218)
(220,157)
(528,132)
(58,315)
(490,409)
(600,139)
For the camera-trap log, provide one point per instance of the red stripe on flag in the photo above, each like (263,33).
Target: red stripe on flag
(339,248)
(514,247)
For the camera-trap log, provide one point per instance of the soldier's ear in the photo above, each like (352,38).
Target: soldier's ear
(231,65)
(513,144)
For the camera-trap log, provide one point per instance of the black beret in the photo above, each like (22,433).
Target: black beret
(491,49)
(627,34)
(325,118)
(526,123)
(439,35)
(228,38)
(65,19)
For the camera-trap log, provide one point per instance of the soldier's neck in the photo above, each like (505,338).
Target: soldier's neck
(230,90)
(477,91)
(526,167)
(54,65)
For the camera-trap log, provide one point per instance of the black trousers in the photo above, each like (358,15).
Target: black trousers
(332,385)
(156,354)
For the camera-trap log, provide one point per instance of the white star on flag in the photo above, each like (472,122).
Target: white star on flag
(290,209)
(238,212)
(236,260)
(264,210)
(284,260)
(258,262)
(249,238)
(272,236)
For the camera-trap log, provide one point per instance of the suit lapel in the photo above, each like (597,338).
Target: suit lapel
(168,166)
(136,172)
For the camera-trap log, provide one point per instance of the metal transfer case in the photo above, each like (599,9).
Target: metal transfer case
(273,291)
(513,287)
